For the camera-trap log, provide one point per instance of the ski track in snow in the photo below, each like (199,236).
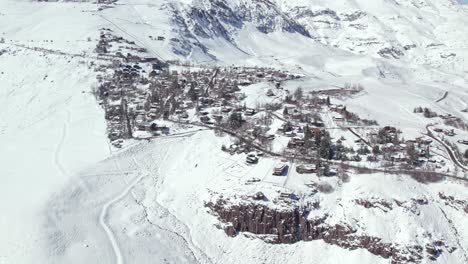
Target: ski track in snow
(183,234)
(59,147)
(104,215)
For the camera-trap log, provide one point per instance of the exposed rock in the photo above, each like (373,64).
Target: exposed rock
(409,47)
(294,224)
(353,16)
(454,203)
(375,203)
(301,12)
(391,53)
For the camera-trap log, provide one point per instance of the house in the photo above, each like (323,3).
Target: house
(423,141)
(250,112)
(226,109)
(337,117)
(142,126)
(399,158)
(315,130)
(205,119)
(298,141)
(217,117)
(340,109)
(154,127)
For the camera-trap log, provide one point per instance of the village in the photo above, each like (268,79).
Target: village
(310,131)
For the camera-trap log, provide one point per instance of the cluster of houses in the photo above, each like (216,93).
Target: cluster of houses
(138,93)
(447,132)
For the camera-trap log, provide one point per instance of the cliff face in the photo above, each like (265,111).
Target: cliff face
(285,226)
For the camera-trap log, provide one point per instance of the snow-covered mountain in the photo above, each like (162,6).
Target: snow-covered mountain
(428,32)
(69,195)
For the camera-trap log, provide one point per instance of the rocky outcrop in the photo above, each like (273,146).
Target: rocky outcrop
(294,224)
(381,204)
(211,19)
(391,52)
(456,204)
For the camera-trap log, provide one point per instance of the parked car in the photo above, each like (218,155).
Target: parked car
(252,158)
(306,169)
(280,169)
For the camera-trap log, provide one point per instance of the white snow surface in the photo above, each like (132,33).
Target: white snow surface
(67,197)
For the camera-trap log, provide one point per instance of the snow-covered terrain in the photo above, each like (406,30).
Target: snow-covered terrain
(68,196)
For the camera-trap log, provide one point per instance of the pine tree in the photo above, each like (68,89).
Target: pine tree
(298,94)
(411,153)
(325,146)
(376,150)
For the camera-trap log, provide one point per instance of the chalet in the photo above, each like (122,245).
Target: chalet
(297,115)
(289,107)
(338,117)
(226,109)
(159,128)
(285,195)
(139,119)
(205,119)
(184,115)
(315,130)
(399,158)
(298,141)
(151,115)
(142,126)
(250,112)
(187,104)
(340,109)
(154,73)
(423,141)
(389,130)
(447,116)
(217,117)
(289,133)
(244,82)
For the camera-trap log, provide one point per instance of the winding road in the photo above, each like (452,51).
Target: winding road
(453,157)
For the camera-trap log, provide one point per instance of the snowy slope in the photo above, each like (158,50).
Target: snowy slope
(67,197)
